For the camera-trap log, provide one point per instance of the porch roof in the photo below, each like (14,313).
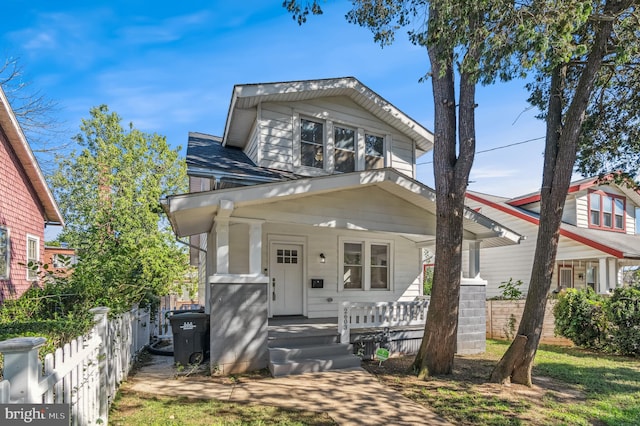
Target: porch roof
(194,213)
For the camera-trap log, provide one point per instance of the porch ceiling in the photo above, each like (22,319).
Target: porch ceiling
(381,200)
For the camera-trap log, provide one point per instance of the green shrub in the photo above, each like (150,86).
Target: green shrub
(623,313)
(511,290)
(580,317)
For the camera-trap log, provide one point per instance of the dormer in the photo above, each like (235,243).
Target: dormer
(322,127)
(595,204)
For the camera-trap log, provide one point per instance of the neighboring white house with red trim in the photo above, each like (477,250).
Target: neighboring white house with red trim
(599,236)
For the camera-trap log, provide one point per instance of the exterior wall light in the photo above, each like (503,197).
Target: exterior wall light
(322,258)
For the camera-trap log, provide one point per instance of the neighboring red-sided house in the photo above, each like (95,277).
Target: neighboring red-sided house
(26,207)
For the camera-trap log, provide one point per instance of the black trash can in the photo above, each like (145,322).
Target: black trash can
(190,337)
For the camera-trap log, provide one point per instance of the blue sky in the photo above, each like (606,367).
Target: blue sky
(169,67)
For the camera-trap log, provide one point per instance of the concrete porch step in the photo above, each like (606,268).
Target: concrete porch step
(290,353)
(313,365)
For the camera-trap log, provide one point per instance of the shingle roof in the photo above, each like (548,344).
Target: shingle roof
(206,153)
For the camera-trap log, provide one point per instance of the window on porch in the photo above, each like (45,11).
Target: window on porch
(565,277)
(366,265)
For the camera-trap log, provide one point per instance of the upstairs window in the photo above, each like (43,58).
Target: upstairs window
(311,144)
(4,253)
(606,211)
(373,152)
(345,149)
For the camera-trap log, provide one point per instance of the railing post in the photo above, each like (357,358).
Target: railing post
(344,322)
(101,327)
(22,368)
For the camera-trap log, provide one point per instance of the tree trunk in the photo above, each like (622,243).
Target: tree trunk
(560,156)
(438,347)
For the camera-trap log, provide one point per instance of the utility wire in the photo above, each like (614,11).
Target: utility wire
(495,148)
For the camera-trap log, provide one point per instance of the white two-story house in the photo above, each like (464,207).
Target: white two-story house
(311,192)
(599,237)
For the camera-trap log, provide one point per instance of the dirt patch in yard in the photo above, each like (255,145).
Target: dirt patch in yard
(465,397)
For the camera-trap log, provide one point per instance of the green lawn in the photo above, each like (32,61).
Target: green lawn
(571,387)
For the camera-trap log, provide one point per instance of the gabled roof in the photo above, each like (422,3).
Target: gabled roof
(206,157)
(576,186)
(622,246)
(18,142)
(246,97)
(194,213)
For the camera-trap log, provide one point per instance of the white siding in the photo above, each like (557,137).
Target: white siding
(499,264)
(324,302)
(582,210)
(277,132)
(569,211)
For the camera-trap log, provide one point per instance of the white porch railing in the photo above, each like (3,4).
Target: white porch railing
(84,373)
(354,315)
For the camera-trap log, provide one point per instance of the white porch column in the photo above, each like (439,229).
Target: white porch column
(603,276)
(221,228)
(255,248)
(474,259)
(613,273)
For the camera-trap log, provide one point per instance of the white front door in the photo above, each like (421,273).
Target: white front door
(286,286)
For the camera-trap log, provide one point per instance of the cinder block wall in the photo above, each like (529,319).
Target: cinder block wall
(472,319)
(239,327)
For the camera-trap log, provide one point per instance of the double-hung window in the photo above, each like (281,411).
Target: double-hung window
(366,265)
(352,268)
(344,149)
(33,249)
(373,152)
(311,143)
(606,211)
(5,250)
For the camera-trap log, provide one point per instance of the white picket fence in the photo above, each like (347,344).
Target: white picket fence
(85,373)
(355,315)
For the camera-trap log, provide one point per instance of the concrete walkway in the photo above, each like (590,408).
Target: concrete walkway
(350,397)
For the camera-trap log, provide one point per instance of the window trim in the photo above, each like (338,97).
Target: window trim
(336,149)
(366,263)
(381,156)
(28,259)
(7,254)
(566,268)
(602,195)
(324,144)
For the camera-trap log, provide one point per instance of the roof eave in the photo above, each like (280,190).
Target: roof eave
(19,144)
